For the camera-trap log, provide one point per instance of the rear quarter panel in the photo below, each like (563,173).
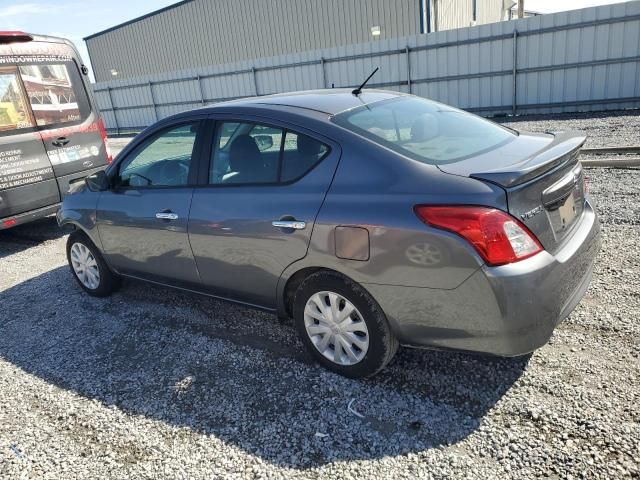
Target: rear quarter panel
(377,189)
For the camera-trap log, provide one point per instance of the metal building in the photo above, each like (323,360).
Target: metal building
(199,33)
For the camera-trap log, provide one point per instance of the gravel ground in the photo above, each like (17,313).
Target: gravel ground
(157,383)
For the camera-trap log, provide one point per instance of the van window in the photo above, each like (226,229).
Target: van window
(14,113)
(56,93)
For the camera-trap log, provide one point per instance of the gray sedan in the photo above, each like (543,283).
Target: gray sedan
(374,219)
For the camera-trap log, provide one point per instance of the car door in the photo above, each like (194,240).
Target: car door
(27,180)
(256,213)
(142,220)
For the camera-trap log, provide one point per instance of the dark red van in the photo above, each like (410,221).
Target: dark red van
(51,134)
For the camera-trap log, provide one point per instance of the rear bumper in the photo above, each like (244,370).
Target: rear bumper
(25,217)
(508,310)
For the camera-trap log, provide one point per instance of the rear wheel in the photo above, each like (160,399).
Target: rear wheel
(88,267)
(342,326)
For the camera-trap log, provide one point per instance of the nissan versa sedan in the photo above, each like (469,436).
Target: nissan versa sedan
(374,219)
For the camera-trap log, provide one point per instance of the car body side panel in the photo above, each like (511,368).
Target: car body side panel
(508,310)
(380,196)
(79,211)
(239,253)
(136,242)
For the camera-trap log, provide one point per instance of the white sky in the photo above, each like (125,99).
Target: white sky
(550,6)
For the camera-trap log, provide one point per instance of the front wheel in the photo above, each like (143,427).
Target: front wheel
(342,326)
(88,267)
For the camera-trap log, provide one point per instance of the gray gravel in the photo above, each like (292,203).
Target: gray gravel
(155,383)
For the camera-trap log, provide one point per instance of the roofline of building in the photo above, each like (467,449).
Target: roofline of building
(137,19)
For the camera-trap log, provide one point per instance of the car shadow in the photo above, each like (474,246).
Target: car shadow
(22,237)
(241,375)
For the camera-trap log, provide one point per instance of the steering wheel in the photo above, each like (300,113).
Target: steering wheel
(169,172)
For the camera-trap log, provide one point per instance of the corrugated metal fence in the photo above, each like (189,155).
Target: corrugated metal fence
(581,60)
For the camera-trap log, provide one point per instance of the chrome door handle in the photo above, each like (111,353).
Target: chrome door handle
(294,224)
(167,216)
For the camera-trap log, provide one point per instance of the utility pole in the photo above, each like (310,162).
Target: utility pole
(435,15)
(520,8)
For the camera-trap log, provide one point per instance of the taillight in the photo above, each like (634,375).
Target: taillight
(497,236)
(12,36)
(103,135)
(9,223)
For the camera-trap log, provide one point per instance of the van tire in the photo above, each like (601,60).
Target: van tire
(108,281)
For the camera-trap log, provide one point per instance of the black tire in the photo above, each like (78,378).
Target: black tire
(109,282)
(383,344)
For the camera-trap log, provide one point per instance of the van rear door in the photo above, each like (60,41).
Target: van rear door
(27,180)
(71,129)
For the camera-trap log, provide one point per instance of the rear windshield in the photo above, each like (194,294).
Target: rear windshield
(56,93)
(426,131)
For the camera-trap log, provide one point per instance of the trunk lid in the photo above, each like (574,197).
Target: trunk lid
(543,180)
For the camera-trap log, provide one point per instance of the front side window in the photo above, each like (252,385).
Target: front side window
(56,93)
(14,110)
(424,130)
(164,160)
(249,153)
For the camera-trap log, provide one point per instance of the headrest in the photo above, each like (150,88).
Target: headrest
(424,128)
(243,154)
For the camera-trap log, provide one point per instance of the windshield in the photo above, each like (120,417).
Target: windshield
(424,130)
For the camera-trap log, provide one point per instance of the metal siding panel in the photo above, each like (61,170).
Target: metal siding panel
(578,44)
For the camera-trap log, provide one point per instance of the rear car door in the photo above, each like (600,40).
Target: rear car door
(255,215)
(27,180)
(142,219)
(72,132)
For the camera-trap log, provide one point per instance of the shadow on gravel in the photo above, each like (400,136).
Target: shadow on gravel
(25,236)
(239,375)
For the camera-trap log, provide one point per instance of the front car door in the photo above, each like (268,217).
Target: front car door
(255,216)
(142,220)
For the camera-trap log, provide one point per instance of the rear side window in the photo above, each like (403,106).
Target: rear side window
(424,130)
(250,154)
(300,154)
(14,110)
(56,93)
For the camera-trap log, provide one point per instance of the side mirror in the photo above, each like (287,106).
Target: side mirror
(264,142)
(97,182)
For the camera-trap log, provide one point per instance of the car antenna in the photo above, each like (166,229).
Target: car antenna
(358,90)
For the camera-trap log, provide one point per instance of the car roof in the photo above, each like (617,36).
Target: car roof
(330,101)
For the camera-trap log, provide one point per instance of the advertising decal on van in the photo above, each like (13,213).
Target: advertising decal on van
(51,134)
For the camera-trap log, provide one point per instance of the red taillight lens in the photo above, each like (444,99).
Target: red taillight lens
(103,135)
(12,36)
(497,236)
(9,223)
